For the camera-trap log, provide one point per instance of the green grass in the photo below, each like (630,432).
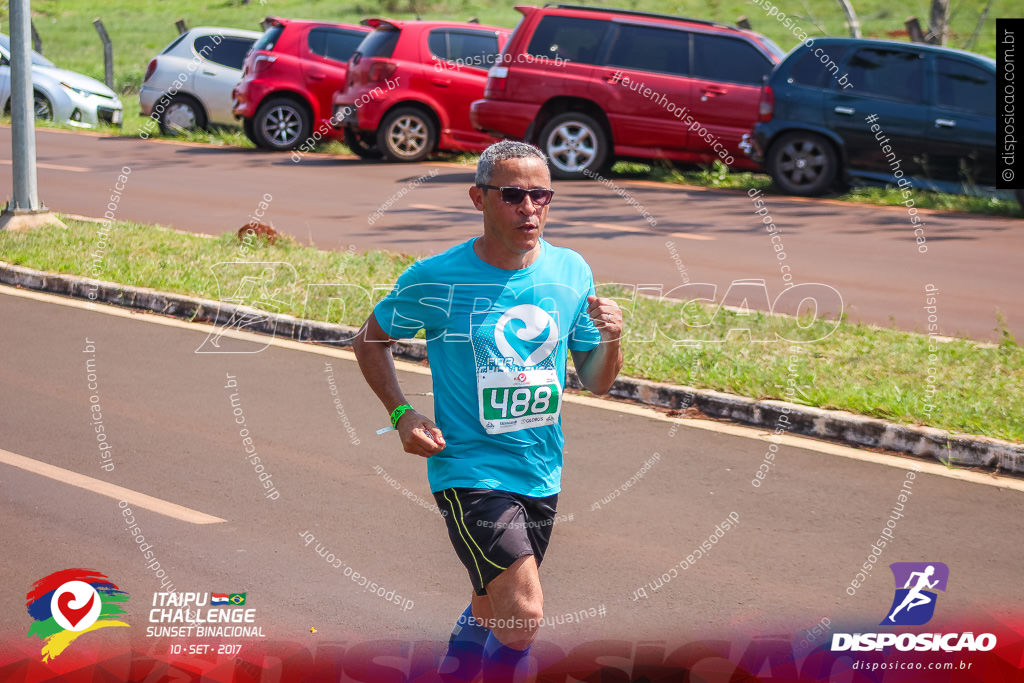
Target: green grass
(859,368)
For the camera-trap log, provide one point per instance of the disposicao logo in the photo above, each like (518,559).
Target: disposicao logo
(917,579)
(914,605)
(70,603)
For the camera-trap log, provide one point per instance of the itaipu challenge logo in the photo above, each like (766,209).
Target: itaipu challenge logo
(71,603)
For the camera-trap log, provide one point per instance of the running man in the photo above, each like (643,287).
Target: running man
(500,312)
(915,597)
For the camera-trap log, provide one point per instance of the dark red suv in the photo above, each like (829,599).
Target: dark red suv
(589,84)
(288,80)
(410,84)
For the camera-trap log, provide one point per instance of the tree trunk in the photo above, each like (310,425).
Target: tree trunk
(938,22)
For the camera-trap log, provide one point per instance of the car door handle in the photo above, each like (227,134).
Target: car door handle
(442,82)
(316,75)
(209,73)
(848,111)
(945,123)
(708,92)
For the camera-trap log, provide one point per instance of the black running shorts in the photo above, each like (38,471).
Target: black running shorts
(491,529)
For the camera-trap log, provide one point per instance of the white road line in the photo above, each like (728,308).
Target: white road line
(51,167)
(105,488)
(759,434)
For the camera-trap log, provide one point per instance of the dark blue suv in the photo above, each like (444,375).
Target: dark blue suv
(841,109)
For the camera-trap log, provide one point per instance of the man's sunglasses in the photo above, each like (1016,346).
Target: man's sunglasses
(515,195)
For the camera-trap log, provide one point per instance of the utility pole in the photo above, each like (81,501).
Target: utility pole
(24,210)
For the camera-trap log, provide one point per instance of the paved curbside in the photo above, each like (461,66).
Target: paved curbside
(832,425)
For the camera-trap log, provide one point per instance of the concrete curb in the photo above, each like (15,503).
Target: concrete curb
(832,425)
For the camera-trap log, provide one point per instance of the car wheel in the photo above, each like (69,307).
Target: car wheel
(362,145)
(576,145)
(802,163)
(181,113)
(280,123)
(41,105)
(407,134)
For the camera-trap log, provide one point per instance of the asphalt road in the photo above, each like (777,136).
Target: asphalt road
(175,436)
(868,254)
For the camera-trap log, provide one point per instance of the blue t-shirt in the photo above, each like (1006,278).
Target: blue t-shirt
(497,342)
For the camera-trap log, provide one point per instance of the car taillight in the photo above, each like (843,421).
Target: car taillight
(496,78)
(149,70)
(380,70)
(766,107)
(262,63)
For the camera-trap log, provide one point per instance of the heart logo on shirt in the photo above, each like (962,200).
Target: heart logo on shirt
(526,333)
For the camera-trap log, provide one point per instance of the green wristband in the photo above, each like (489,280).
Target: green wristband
(397,414)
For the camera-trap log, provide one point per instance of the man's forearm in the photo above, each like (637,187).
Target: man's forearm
(378,368)
(601,367)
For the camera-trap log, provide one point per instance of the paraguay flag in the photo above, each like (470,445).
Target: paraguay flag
(218,598)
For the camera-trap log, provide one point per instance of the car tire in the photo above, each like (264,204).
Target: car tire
(41,106)
(802,163)
(249,130)
(281,124)
(362,144)
(576,145)
(407,134)
(181,113)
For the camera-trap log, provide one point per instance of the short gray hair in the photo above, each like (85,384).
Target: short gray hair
(502,151)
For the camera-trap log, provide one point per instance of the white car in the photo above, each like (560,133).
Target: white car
(193,78)
(59,94)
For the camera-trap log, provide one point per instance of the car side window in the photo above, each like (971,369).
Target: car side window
(892,74)
(651,49)
(718,58)
(966,87)
(818,71)
(472,48)
(341,44)
(569,38)
(332,43)
(229,52)
(437,43)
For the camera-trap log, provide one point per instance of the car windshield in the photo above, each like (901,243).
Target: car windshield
(37,58)
(269,39)
(379,43)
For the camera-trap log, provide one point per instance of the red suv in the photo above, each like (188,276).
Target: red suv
(589,84)
(410,84)
(288,79)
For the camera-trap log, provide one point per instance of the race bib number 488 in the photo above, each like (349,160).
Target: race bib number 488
(528,399)
(502,403)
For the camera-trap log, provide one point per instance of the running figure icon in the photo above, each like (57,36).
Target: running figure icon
(915,597)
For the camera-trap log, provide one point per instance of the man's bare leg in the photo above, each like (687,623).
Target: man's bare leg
(516,610)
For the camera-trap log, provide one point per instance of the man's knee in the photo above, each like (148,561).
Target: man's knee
(531,615)
(524,614)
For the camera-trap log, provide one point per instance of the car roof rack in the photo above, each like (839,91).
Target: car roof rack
(637,13)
